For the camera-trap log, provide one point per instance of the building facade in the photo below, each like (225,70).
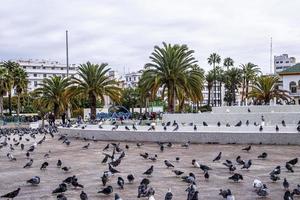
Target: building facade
(283,62)
(131,79)
(290,81)
(37,70)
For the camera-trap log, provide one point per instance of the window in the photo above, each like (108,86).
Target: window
(281,61)
(45,75)
(35,83)
(24,67)
(293,87)
(35,75)
(287,61)
(53,68)
(277,62)
(44,67)
(61,68)
(34,67)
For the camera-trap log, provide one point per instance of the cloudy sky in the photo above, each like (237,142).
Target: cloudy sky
(124,32)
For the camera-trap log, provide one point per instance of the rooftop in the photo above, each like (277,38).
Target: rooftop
(295,69)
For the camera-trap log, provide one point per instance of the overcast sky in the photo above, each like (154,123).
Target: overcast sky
(124,32)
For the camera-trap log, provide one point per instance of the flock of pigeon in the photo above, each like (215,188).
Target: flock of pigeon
(113,154)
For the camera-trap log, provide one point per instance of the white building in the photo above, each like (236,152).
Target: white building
(37,70)
(131,79)
(291,81)
(283,62)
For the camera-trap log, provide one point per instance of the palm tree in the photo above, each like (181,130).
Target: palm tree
(93,81)
(55,93)
(20,84)
(228,62)
(214,59)
(40,105)
(173,69)
(250,72)
(10,80)
(265,88)
(2,87)
(232,82)
(210,81)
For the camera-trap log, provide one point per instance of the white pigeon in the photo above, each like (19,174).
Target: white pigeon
(257,184)
(230,197)
(151,197)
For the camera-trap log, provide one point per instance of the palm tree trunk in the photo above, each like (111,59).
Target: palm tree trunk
(215,87)
(243,89)
(220,101)
(55,110)
(18,106)
(247,88)
(92,100)
(1,105)
(9,103)
(208,100)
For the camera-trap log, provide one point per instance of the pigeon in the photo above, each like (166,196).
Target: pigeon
(139,144)
(29,164)
(44,166)
(189,179)
(169,195)
(168,164)
(239,160)
(285,184)
(69,179)
(177,159)
(106,147)
(260,128)
(274,177)
(134,127)
(186,145)
(162,148)
(204,123)
(145,155)
(257,184)
(61,197)
(247,148)
(277,128)
(238,124)
(151,197)
(276,171)
(263,155)
(289,167)
(176,128)
(12,194)
(153,158)
(34,180)
(195,127)
(59,163)
(121,182)
(247,165)
(283,123)
(177,172)
(288,196)
(112,170)
(249,110)
(263,191)
(247,122)
(61,188)
(218,157)
(149,171)
(230,195)
(66,169)
(86,146)
(127,128)
(169,144)
(227,125)
(75,183)
(206,175)
(117,196)
(130,178)
(10,157)
(293,161)
(236,177)
(195,163)
(219,124)
(205,168)
(107,191)
(83,196)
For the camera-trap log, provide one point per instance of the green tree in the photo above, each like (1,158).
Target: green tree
(232,83)
(94,82)
(130,98)
(20,84)
(228,62)
(55,92)
(3,87)
(265,88)
(213,60)
(173,69)
(250,72)
(210,81)
(10,80)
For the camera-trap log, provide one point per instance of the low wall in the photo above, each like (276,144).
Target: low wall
(257,109)
(233,118)
(179,137)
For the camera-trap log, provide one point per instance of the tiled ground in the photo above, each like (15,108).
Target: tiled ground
(86,165)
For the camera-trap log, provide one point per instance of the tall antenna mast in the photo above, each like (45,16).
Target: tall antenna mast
(67,53)
(271,51)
